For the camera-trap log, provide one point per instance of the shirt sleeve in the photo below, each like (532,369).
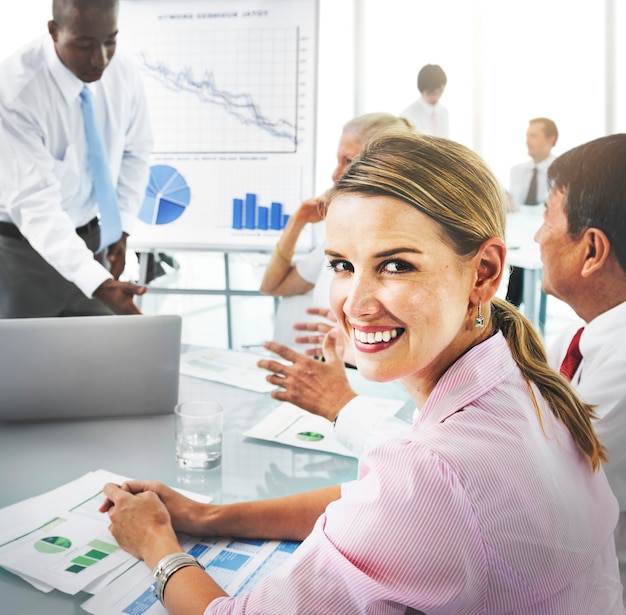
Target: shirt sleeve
(33,201)
(134,169)
(605,389)
(310,266)
(396,539)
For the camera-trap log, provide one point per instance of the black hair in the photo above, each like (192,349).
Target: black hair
(431,77)
(61,9)
(593,175)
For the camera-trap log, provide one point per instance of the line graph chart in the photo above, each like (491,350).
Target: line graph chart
(222,91)
(231,90)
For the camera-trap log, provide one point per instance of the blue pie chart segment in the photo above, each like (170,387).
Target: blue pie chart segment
(167,196)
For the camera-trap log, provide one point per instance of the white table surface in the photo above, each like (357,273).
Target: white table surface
(39,456)
(521,226)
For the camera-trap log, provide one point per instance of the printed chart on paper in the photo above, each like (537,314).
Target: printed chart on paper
(230,87)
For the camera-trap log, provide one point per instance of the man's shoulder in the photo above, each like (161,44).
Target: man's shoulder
(408,109)
(608,331)
(21,67)
(521,166)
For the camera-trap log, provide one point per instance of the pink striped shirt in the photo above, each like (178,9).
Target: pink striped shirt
(479,511)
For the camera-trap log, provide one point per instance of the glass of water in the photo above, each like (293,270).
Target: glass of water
(198,434)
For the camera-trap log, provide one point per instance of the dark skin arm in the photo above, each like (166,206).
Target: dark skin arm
(116,256)
(116,295)
(119,296)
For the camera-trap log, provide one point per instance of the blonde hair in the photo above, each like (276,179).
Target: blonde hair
(370,125)
(455,188)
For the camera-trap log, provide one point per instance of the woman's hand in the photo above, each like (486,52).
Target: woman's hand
(186,515)
(140,522)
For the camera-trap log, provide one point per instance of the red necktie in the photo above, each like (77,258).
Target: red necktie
(572,356)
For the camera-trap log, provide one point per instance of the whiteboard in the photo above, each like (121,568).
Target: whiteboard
(231,91)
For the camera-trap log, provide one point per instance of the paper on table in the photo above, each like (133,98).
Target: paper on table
(236,565)
(231,367)
(293,426)
(59,539)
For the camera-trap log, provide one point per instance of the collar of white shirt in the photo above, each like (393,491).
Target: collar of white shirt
(69,85)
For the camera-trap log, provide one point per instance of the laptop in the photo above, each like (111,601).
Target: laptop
(88,366)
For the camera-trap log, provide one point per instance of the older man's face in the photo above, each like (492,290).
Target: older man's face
(560,253)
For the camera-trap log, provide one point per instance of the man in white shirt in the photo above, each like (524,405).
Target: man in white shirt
(427,113)
(584,264)
(49,223)
(529,185)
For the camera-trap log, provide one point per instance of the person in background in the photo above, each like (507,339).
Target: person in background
(427,113)
(529,185)
(285,278)
(495,501)
(49,223)
(584,264)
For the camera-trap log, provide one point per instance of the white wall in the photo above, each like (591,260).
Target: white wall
(506,61)
(22,22)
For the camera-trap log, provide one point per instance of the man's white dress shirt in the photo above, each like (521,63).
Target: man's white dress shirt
(51,191)
(521,175)
(428,119)
(601,381)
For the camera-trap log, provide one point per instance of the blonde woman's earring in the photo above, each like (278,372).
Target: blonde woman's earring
(479,321)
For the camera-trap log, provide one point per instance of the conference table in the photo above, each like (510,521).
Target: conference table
(39,456)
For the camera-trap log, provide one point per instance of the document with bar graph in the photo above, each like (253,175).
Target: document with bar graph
(60,540)
(231,92)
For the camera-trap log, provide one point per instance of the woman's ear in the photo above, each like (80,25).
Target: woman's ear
(489,268)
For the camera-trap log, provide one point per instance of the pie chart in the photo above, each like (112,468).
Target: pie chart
(167,196)
(53,544)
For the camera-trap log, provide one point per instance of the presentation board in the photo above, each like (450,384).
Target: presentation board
(231,90)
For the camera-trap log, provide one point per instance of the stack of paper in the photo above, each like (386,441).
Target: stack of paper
(59,540)
(293,426)
(236,565)
(233,367)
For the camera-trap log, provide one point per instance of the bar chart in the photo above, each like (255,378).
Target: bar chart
(248,214)
(231,94)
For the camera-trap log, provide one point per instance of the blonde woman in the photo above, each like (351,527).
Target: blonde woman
(308,275)
(495,501)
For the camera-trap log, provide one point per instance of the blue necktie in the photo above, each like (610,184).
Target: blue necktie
(110,222)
